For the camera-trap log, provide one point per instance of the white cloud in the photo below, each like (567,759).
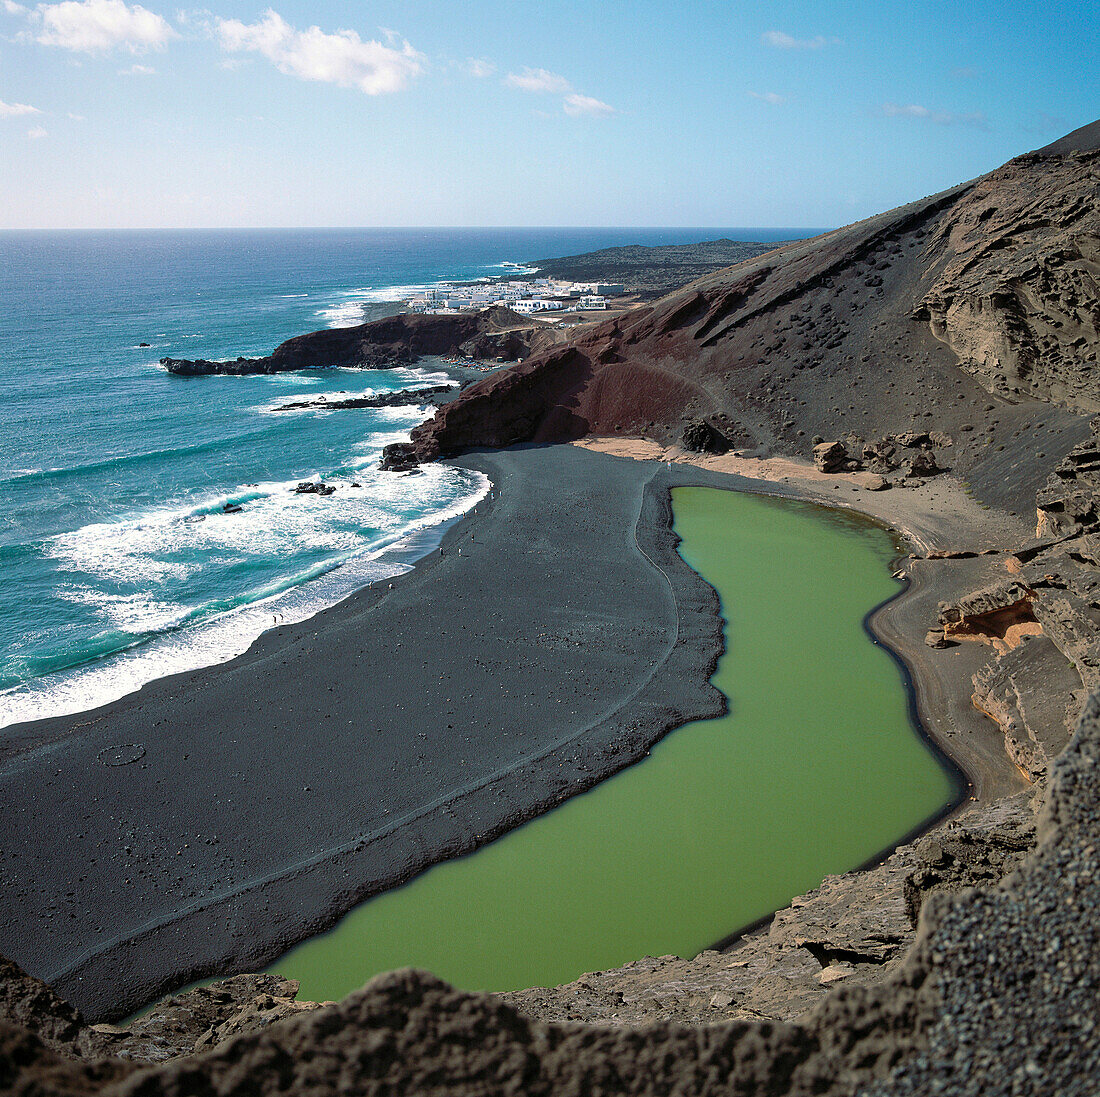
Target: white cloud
(137,70)
(342,58)
(36,133)
(14,9)
(940,117)
(575,104)
(784,41)
(768,97)
(14,110)
(538,80)
(479,67)
(96,26)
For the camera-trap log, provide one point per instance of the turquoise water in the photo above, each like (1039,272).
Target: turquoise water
(118,562)
(815,769)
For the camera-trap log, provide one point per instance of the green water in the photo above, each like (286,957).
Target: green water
(815,769)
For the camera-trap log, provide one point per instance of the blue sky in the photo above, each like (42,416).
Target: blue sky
(457,112)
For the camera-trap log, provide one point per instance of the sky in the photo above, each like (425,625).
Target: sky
(516,113)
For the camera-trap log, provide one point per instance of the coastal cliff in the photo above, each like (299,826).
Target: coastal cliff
(382,344)
(973,311)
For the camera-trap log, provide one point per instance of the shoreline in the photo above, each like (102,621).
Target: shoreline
(261,914)
(132,972)
(972,743)
(75,694)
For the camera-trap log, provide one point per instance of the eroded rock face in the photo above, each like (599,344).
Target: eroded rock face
(1070,500)
(1017,300)
(1025,692)
(997,614)
(28,1002)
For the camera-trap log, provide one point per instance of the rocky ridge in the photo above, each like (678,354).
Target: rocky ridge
(972,312)
(652,271)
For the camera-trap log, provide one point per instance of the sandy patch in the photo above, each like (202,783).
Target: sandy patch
(937,514)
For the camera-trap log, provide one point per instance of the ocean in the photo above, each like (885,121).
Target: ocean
(118,561)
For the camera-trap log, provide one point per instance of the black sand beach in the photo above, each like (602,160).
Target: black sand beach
(544,649)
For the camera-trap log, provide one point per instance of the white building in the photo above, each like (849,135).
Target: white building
(535,304)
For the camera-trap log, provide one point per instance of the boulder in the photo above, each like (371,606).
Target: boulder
(702,437)
(831,457)
(881,455)
(872,481)
(399,457)
(922,463)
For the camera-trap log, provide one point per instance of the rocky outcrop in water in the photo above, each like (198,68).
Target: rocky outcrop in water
(382,344)
(399,457)
(401,398)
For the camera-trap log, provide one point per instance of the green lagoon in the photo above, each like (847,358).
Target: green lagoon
(816,768)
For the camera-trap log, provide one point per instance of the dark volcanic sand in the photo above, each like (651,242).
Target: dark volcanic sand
(341,755)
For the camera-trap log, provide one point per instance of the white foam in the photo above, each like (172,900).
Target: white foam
(136,613)
(229,634)
(288,296)
(348,310)
(345,315)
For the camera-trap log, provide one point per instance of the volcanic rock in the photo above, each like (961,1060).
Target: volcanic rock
(921,464)
(399,457)
(702,437)
(870,330)
(830,457)
(1071,496)
(379,400)
(988,614)
(380,344)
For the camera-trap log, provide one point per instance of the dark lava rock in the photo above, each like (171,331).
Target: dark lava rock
(399,457)
(311,487)
(380,344)
(702,437)
(380,400)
